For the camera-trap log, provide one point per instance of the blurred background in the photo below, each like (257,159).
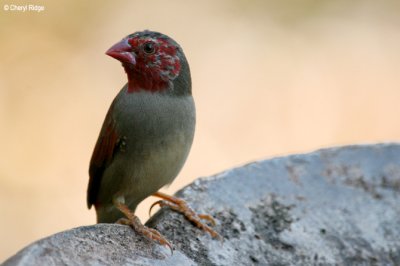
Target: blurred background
(270,78)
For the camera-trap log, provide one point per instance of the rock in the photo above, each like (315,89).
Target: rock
(333,206)
(101,244)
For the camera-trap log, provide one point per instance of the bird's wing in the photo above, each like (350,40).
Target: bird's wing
(102,156)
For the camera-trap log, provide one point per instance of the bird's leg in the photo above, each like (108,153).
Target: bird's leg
(132,220)
(181,206)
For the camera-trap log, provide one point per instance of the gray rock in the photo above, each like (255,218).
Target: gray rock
(334,206)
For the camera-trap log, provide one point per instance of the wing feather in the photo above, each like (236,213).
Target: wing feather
(102,156)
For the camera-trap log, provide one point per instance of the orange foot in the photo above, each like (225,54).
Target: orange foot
(135,223)
(181,206)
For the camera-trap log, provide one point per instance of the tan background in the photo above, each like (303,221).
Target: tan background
(270,78)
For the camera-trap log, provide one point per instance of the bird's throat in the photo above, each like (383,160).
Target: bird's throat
(138,82)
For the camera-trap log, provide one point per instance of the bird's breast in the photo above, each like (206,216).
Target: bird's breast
(157,131)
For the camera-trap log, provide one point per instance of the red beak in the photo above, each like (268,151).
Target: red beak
(122,51)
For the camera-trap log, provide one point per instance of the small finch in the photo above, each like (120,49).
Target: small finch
(146,135)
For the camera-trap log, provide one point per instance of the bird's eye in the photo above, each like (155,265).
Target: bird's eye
(149,48)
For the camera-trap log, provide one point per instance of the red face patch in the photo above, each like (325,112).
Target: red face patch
(157,63)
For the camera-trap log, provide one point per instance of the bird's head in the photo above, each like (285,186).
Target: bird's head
(152,61)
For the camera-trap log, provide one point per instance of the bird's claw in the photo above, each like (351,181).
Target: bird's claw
(208,218)
(181,206)
(135,223)
(158,202)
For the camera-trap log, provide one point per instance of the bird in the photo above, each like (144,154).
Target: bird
(146,135)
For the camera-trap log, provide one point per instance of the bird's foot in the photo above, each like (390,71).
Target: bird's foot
(181,206)
(133,221)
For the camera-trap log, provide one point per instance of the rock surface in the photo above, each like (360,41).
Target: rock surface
(333,206)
